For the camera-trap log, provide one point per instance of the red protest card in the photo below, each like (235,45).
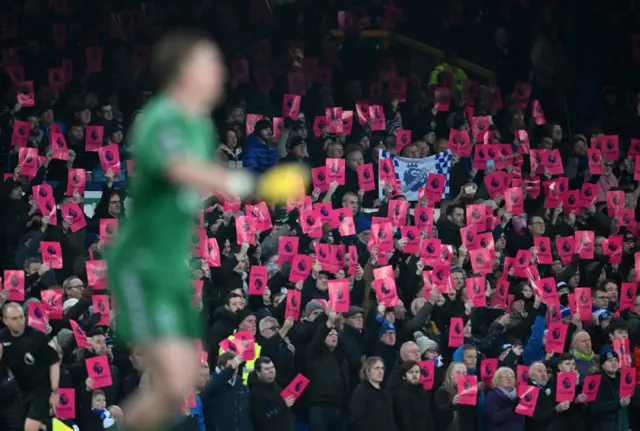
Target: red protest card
(59,146)
(548,291)
(37,316)
(336,170)
(442,99)
(590,386)
(500,293)
(294,298)
(52,300)
(456,332)
(296,387)
(110,159)
(459,142)
(20,133)
(101,305)
(565,246)
(67,406)
(93,58)
(300,268)
(73,214)
(627,382)
(108,229)
(397,212)
(339,298)
(334,119)
(468,389)
(251,121)
(212,256)
(588,194)
(583,303)
(386,291)
(628,293)
(291,106)
(287,248)
(488,368)
(76,181)
(481,261)
(97,273)
(528,400)
(257,280)
(79,334)
(566,386)
(427,373)
(423,217)
(514,200)
(246,343)
(347,122)
(366,177)
(556,337)
(479,127)
(245,230)
(94,137)
(476,291)
(584,243)
(543,245)
(412,235)
(99,371)
(25,95)
(51,254)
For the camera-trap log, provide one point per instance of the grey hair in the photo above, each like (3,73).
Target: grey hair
(266,322)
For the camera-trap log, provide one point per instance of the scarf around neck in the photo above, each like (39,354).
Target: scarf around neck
(585,357)
(512,394)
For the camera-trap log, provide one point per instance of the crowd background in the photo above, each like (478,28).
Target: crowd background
(427,339)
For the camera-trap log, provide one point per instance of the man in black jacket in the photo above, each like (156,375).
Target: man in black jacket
(353,338)
(269,411)
(328,372)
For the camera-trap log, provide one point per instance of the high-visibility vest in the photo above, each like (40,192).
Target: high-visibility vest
(247,366)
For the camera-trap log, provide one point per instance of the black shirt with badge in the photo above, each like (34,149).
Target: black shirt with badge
(29,357)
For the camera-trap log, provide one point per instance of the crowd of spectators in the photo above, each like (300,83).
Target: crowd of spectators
(510,304)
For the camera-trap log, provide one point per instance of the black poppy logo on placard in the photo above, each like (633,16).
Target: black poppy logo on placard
(302,266)
(626,219)
(60,143)
(321,125)
(500,289)
(382,234)
(495,183)
(555,334)
(410,236)
(232,347)
(491,153)
(43,193)
(424,218)
(95,135)
(76,179)
(457,328)
(403,139)
(339,256)
(527,397)
(246,227)
(334,168)
(609,144)
(430,248)
(475,214)
(583,298)
(258,283)
(97,368)
(629,294)
(440,275)
(484,243)
(522,260)
(310,220)
(384,289)
(22,130)
(480,126)
(435,183)
(594,158)
(612,247)
(571,200)
(588,192)
(108,155)
(386,169)
(475,287)
(566,247)
(340,218)
(366,174)
(101,306)
(288,247)
(298,387)
(504,152)
(51,250)
(469,237)
(481,154)
(524,376)
(561,187)
(542,247)
(321,176)
(49,207)
(37,313)
(289,103)
(546,288)
(566,383)
(424,372)
(514,198)
(376,113)
(396,211)
(591,385)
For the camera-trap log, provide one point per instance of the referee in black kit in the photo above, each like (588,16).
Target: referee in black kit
(34,365)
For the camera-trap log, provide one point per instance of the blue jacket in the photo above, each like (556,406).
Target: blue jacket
(258,157)
(534,350)
(226,407)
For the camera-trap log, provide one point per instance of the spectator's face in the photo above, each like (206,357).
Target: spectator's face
(266,133)
(303,132)
(231,139)
(440,146)
(546,143)
(99,344)
(470,358)
(300,151)
(518,306)
(556,133)
(537,226)
(376,372)
(375,153)
(314,315)
(115,205)
(413,375)
(457,217)
(431,354)
(457,370)
(527,292)
(458,280)
(335,151)
(611,366)
(248,324)
(204,74)
(411,152)
(410,352)
(75,288)
(355,159)
(116,137)
(538,373)
(567,366)
(331,340)
(612,289)
(203,377)
(270,330)
(13,319)
(234,304)
(106,112)
(33,268)
(423,148)
(580,148)
(322,283)
(98,402)
(76,132)
(601,299)
(508,380)
(84,116)
(556,267)
(388,338)
(356,321)
(33,124)
(47,116)
(607,167)
(351,202)
(574,280)
(620,334)
(267,372)
(226,249)
(237,116)
(582,343)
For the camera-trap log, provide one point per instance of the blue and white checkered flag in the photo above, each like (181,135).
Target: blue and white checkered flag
(412,174)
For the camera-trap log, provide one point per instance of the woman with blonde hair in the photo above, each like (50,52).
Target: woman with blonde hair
(450,414)
(371,408)
(499,406)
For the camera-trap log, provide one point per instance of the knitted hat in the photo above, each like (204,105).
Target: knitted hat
(603,314)
(386,326)
(424,343)
(565,312)
(606,354)
(311,307)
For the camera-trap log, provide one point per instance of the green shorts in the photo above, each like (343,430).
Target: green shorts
(153,304)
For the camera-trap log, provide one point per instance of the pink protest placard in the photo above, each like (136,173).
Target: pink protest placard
(488,368)
(14,283)
(110,159)
(296,387)
(248,343)
(97,273)
(300,268)
(528,400)
(99,371)
(456,332)
(468,389)
(212,256)
(556,337)
(101,305)
(51,254)
(287,248)
(20,133)
(76,181)
(43,195)
(294,300)
(79,334)
(37,316)
(476,291)
(73,214)
(52,300)
(627,382)
(339,295)
(67,406)
(257,280)
(590,386)
(566,386)
(93,138)
(108,229)
(336,170)
(427,373)
(245,230)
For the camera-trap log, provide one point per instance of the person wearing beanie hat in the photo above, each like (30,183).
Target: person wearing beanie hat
(606,354)
(297,151)
(261,152)
(425,344)
(312,310)
(386,348)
